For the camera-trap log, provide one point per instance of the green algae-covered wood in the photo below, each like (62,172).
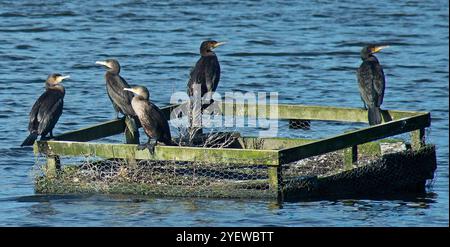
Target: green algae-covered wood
(308,112)
(272,152)
(105,129)
(303,112)
(94,132)
(250,155)
(418,138)
(269,153)
(356,137)
(383,176)
(319,113)
(175,153)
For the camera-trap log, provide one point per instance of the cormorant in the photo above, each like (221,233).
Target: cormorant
(371,83)
(46,110)
(204,77)
(115,84)
(152,120)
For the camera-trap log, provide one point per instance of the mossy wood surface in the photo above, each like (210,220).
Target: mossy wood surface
(356,137)
(250,149)
(272,152)
(175,153)
(381,176)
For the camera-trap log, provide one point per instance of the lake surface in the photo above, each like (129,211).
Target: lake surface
(307,51)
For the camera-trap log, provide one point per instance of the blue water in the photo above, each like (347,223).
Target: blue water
(307,51)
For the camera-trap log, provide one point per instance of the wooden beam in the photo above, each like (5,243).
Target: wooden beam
(355,138)
(322,113)
(276,143)
(318,113)
(302,112)
(210,155)
(101,130)
(105,129)
(174,153)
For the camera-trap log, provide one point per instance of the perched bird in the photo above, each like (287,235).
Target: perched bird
(46,110)
(115,84)
(152,120)
(204,77)
(371,83)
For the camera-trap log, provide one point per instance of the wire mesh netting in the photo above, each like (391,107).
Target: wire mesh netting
(299,124)
(383,166)
(397,170)
(159,178)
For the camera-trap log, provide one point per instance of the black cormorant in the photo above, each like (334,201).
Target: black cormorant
(46,110)
(204,77)
(115,84)
(152,120)
(371,82)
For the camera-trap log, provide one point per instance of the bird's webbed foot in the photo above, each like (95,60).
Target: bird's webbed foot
(141,147)
(149,145)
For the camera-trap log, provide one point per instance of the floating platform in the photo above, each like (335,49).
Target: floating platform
(364,162)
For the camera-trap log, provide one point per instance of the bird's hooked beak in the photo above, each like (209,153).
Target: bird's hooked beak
(379,48)
(218,44)
(61,78)
(104,63)
(129,89)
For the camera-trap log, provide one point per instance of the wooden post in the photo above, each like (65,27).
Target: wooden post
(275,180)
(131,137)
(131,131)
(53,166)
(350,156)
(355,154)
(355,137)
(418,139)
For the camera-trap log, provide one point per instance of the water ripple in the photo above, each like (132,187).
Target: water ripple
(308,53)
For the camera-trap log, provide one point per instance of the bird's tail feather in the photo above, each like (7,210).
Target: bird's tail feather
(375,115)
(30,139)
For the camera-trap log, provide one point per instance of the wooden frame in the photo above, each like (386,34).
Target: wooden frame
(75,143)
